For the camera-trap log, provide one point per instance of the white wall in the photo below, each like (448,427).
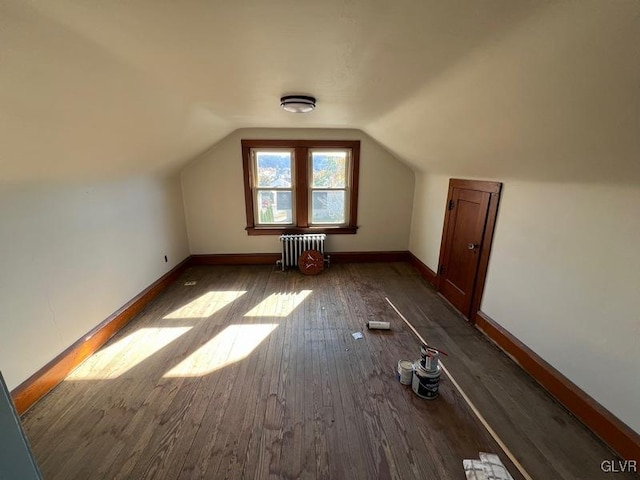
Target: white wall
(72,254)
(563,277)
(214,197)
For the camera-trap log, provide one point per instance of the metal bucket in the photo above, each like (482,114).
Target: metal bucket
(425,384)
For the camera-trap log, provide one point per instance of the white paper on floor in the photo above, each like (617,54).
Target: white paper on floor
(474,470)
(357,335)
(489,467)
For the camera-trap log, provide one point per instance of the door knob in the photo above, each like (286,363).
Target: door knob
(472,246)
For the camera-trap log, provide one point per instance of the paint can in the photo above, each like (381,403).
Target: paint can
(405,372)
(425,384)
(373,325)
(429,358)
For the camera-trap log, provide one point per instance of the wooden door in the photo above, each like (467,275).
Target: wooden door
(466,241)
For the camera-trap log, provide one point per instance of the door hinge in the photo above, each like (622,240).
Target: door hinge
(441,270)
(451,205)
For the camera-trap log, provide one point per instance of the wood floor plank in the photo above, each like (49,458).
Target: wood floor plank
(363,458)
(199,454)
(240,402)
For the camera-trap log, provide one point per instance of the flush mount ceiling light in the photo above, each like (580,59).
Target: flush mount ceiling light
(298,103)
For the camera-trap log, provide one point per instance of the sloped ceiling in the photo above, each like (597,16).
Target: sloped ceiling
(544,89)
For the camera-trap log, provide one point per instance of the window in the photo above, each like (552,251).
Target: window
(301,186)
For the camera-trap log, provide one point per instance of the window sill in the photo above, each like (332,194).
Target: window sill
(293,230)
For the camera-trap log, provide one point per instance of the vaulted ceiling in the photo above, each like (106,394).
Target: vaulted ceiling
(544,90)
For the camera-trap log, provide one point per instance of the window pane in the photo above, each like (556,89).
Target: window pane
(273,169)
(329,169)
(275,207)
(328,206)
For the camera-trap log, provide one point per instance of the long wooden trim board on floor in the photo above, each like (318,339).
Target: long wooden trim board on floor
(54,372)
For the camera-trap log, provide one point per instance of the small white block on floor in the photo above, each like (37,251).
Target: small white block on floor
(357,335)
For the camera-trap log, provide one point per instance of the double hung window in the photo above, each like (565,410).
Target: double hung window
(301,186)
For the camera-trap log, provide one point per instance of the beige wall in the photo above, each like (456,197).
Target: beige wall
(214,197)
(73,254)
(428,217)
(552,97)
(563,278)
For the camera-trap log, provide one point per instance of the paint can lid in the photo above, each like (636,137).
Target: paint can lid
(406,364)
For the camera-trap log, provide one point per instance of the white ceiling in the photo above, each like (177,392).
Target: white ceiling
(535,89)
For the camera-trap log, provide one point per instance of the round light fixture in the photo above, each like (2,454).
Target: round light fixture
(297,103)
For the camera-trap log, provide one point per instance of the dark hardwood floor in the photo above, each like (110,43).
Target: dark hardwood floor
(254,373)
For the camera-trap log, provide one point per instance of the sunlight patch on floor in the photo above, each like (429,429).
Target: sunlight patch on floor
(206,305)
(112,361)
(231,345)
(278,304)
